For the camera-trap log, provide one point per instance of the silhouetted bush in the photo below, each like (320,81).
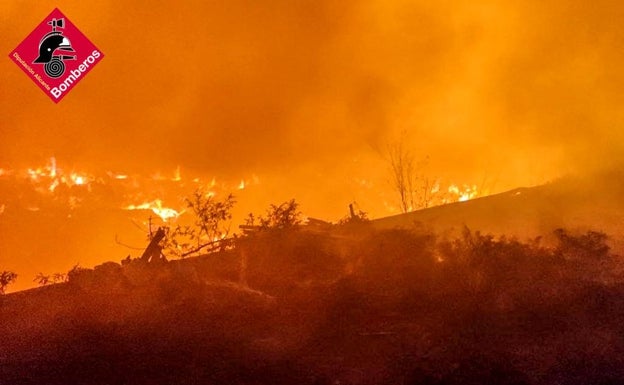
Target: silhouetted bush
(289,257)
(592,244)
(210,226)
(283,216)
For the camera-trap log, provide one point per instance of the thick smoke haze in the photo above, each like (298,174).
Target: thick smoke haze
(310,93)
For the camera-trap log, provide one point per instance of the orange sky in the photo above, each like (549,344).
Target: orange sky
(308,92)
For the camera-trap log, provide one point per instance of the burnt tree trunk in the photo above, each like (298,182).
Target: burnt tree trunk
(153,250)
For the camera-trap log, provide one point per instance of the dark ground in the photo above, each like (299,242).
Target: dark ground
(379,307)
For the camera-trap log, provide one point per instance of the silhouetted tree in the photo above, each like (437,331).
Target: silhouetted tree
(415,188)
(6,278)
(403,174)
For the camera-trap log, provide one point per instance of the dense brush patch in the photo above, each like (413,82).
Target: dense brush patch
(351,307)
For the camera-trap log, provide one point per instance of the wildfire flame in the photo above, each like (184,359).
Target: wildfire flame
(75,189)
(77,179)
(55,176)
(165,213)
(176,176)
(467,193)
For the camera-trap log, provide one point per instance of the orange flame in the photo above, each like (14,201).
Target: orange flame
(165,213)
(467,193)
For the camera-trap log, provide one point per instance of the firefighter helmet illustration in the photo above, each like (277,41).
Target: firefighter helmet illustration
(52,43)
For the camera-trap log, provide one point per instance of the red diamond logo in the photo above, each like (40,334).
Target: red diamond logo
(56,55)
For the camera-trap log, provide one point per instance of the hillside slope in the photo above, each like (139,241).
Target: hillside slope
(589,202)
